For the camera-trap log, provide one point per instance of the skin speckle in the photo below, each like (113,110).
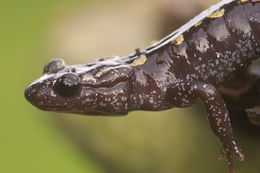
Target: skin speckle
(67,70)
(53,94)
(160,60)
(178,40)
(218,56)
(217,14)
(201,41)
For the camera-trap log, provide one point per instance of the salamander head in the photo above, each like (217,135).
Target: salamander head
(101,87)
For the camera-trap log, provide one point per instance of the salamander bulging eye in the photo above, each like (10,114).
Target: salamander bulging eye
(54,66)
(67,85)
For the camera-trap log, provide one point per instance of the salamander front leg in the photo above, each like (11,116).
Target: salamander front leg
(185,94)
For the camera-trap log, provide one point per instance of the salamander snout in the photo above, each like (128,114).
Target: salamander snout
(54,92)
(30,95)
(37,95)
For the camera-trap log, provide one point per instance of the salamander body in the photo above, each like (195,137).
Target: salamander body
(187,65)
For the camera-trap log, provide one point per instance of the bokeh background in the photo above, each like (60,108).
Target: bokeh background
(34,32)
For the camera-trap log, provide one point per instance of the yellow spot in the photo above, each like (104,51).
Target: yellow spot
(198,24)
(98,74)
(88,77)
(139,61)
(218,56)
(217,13)
(243,1)
(178,40)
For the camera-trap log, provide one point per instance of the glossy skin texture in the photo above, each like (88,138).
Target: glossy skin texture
(189,64)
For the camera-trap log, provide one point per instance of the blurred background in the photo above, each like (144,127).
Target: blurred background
(177,140)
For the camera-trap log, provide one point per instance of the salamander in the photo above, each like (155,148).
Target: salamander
(188,65)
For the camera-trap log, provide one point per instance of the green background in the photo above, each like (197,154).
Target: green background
(30,141)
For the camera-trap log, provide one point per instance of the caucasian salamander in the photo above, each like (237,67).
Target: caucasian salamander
(187,65)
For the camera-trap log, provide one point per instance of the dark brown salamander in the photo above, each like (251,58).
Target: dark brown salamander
(189,64)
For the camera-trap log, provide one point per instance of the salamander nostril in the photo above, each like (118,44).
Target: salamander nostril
(54,66)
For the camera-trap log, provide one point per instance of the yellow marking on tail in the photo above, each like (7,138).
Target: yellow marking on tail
(178,40)
(198,24)
(139,61)
(217,14)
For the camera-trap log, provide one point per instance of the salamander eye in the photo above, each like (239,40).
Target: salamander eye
(54,66)
(67,85)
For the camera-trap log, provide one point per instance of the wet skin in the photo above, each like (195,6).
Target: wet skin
(187,65)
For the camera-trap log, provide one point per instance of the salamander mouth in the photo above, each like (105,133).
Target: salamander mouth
(51,108)
(64,109)
(56,108)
